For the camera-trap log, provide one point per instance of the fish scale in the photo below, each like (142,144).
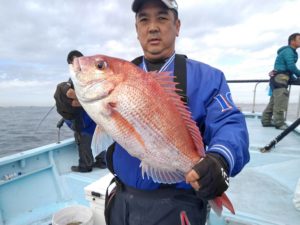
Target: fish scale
(145,124)
(146,111)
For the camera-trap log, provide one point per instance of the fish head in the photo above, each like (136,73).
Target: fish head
(95,77)
(90,76)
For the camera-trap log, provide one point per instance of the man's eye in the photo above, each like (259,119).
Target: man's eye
(101,65)
(143,19)
(162,18)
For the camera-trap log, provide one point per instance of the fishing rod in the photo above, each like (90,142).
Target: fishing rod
(42,120)
(290,128)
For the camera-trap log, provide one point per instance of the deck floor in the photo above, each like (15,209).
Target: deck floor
(265,187)
(263,191)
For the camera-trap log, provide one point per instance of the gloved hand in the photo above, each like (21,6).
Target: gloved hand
(71,94)
(64,104)
(209,177)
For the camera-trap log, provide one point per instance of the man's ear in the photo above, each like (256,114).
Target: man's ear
(178,24)
(137,34)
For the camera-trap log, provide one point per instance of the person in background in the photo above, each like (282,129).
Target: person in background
(285,70)
(139,200)
(78,120)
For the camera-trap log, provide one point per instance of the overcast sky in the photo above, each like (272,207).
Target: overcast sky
(240,37)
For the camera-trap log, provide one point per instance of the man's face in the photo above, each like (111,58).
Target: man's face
(73,59)
(297,41)
(157,29)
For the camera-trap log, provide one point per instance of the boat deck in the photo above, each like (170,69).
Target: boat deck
(263,191)
(261,194)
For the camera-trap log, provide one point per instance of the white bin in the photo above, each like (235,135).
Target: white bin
(77,214)
(95,194)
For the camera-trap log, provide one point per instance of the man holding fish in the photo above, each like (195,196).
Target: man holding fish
(170,158)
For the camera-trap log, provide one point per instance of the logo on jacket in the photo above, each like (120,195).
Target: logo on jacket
(225,101)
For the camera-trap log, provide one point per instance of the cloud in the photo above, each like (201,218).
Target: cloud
(243,40)
(237,36)
(27,93)
(16,83)
(3,75)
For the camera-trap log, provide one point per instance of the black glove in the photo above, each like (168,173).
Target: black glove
(213,173)
(63,103)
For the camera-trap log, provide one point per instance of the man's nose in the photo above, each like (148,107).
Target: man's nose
(153,27)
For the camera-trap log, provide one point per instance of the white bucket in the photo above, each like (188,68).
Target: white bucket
(73,215)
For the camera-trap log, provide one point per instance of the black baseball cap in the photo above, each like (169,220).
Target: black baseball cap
(137,4)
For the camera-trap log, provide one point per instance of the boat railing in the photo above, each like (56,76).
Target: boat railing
(254,98)
(260,81)
(257,82)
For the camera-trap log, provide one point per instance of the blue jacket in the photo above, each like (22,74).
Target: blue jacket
(222,125)
(286,60)
(87,125)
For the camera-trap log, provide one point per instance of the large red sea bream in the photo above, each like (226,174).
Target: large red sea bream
(143,113)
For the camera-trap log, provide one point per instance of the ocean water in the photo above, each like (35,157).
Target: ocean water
(19,129)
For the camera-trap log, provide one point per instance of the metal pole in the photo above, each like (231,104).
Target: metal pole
(254,97)
(58,136)
(287,108)
(298,110)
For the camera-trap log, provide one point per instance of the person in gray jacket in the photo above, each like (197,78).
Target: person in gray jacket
(285,70)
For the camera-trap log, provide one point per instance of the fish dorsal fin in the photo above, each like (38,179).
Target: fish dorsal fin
(166,82)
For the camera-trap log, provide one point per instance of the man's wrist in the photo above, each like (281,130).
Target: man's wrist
(226,153)
(220,158)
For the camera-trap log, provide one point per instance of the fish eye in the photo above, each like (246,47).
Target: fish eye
(101,65)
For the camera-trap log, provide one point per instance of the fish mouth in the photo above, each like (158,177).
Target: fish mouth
(76,66)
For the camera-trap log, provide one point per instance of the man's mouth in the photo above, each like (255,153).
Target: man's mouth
(154,41)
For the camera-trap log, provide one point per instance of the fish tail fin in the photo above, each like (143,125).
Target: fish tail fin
(218,203)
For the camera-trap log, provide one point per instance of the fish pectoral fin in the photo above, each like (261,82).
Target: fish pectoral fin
(101,141)
(161,175)
(128,129)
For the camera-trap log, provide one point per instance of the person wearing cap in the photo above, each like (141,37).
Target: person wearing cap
(140,200)
(78,120)
(284,72)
